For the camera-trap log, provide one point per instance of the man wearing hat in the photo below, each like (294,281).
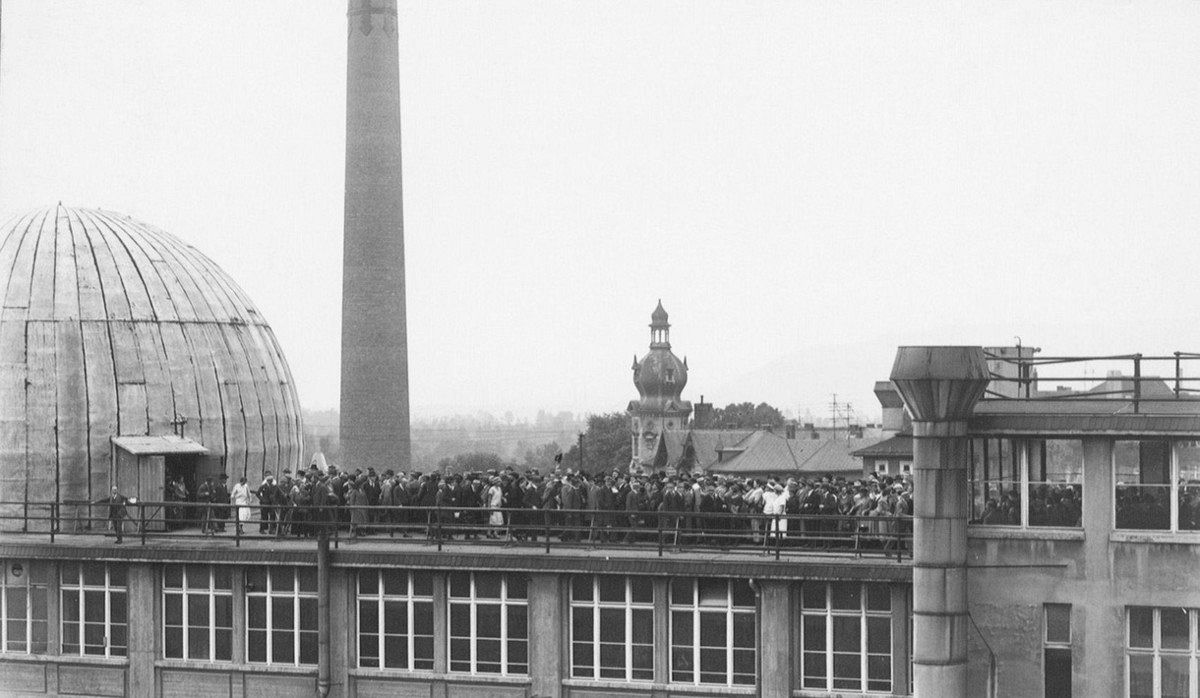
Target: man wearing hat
(221,502)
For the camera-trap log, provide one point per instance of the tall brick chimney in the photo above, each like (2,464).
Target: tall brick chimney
(374,391)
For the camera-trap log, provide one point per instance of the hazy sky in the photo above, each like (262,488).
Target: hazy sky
(806,185)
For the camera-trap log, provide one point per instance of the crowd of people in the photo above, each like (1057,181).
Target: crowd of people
(570,505)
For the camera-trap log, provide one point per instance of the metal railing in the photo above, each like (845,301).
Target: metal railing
(548,529)
(1137,378)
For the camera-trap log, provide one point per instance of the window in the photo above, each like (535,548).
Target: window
(713,632)
(1056,654)
(1027,483)
(995,482)
(612,628)
(23,607)
(846,637)
(281,615)
(1160,652)
(905,468)
(197,613)
(1055,482)
(395,620)
(1157,485)
(670,377)
(489,629)
(93,609)
(881,467)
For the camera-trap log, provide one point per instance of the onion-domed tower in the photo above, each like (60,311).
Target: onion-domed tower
(660,378)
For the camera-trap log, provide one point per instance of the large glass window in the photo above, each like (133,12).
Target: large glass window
(612,628)
(1026,482)
(713,631)
(1143,490)
(489,624)
(1161,652)
(281,615)
(995,482)
(846,637)
(395,619)
(93,612)
(23,607)
(197,612)
(1055,482)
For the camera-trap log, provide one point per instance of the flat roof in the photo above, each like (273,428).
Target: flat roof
(158,445)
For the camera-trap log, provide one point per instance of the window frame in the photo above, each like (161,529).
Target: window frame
(595,605)
(410,599)
(1156,652)
(505,602)
(78,588)
(269,594)
(1022,447)
(30,587)
(730,612)
(864,613)
(1173,485)
(210,593)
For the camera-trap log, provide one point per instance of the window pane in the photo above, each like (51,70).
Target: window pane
(814,633)
(395,617)
(814,670)
(879,635)
(845,596)
(197,643)
(1175,682)
(423,618)
(116,575)
(642,589)
(643,626)
(581,588)
(224,611)
(422,584)
(1058,672)
(1058,622)
(174,609)
(847,670)
(173,577)
(395,583)
(713,592)
(460,620)
(93,573)
(487,585)
(256,645)
(712,630)
(173,643)
(395,651)
(1174,625)
(282,613)
(282,649)
(682,591)
(93,606)
(221,578)
(256,607)
(368,582)
(612,588)
(308,614)
(308,578)
(581,624)
(1141,627)
(256,579)
(814,595)
(517,629)
(847,634)
(308,648)
(879,597)
(460,585)
(116,606)
(487,620)
(612,625)
(282,579)
(368,618)
(197,610)
(224,644)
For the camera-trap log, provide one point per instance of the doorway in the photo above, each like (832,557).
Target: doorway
(179,468)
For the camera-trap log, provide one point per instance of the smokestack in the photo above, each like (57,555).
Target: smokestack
(374,392)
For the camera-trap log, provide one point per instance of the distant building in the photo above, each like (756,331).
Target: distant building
(660,377)
(765,453)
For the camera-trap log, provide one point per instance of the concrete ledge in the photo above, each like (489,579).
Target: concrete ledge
(674,689)
(1015,533)
(1156,537)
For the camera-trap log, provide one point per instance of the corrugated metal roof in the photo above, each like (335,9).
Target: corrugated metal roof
(897,446)
(158,445)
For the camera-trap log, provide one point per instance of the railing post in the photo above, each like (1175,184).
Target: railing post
(778,538)
(660,536)
(1178,374)
(142,521)
(546,514)
(237,529)
(438,526)
(1137,382)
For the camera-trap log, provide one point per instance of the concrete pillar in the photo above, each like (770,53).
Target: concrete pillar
(776,639)
(141,611)
(545,636)
(374,392)
(940,386)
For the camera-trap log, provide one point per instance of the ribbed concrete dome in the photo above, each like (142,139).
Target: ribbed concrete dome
(111,327)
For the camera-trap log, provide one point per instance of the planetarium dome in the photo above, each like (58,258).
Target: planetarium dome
(115,334)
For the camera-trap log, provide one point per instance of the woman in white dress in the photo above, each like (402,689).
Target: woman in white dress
(241,500)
